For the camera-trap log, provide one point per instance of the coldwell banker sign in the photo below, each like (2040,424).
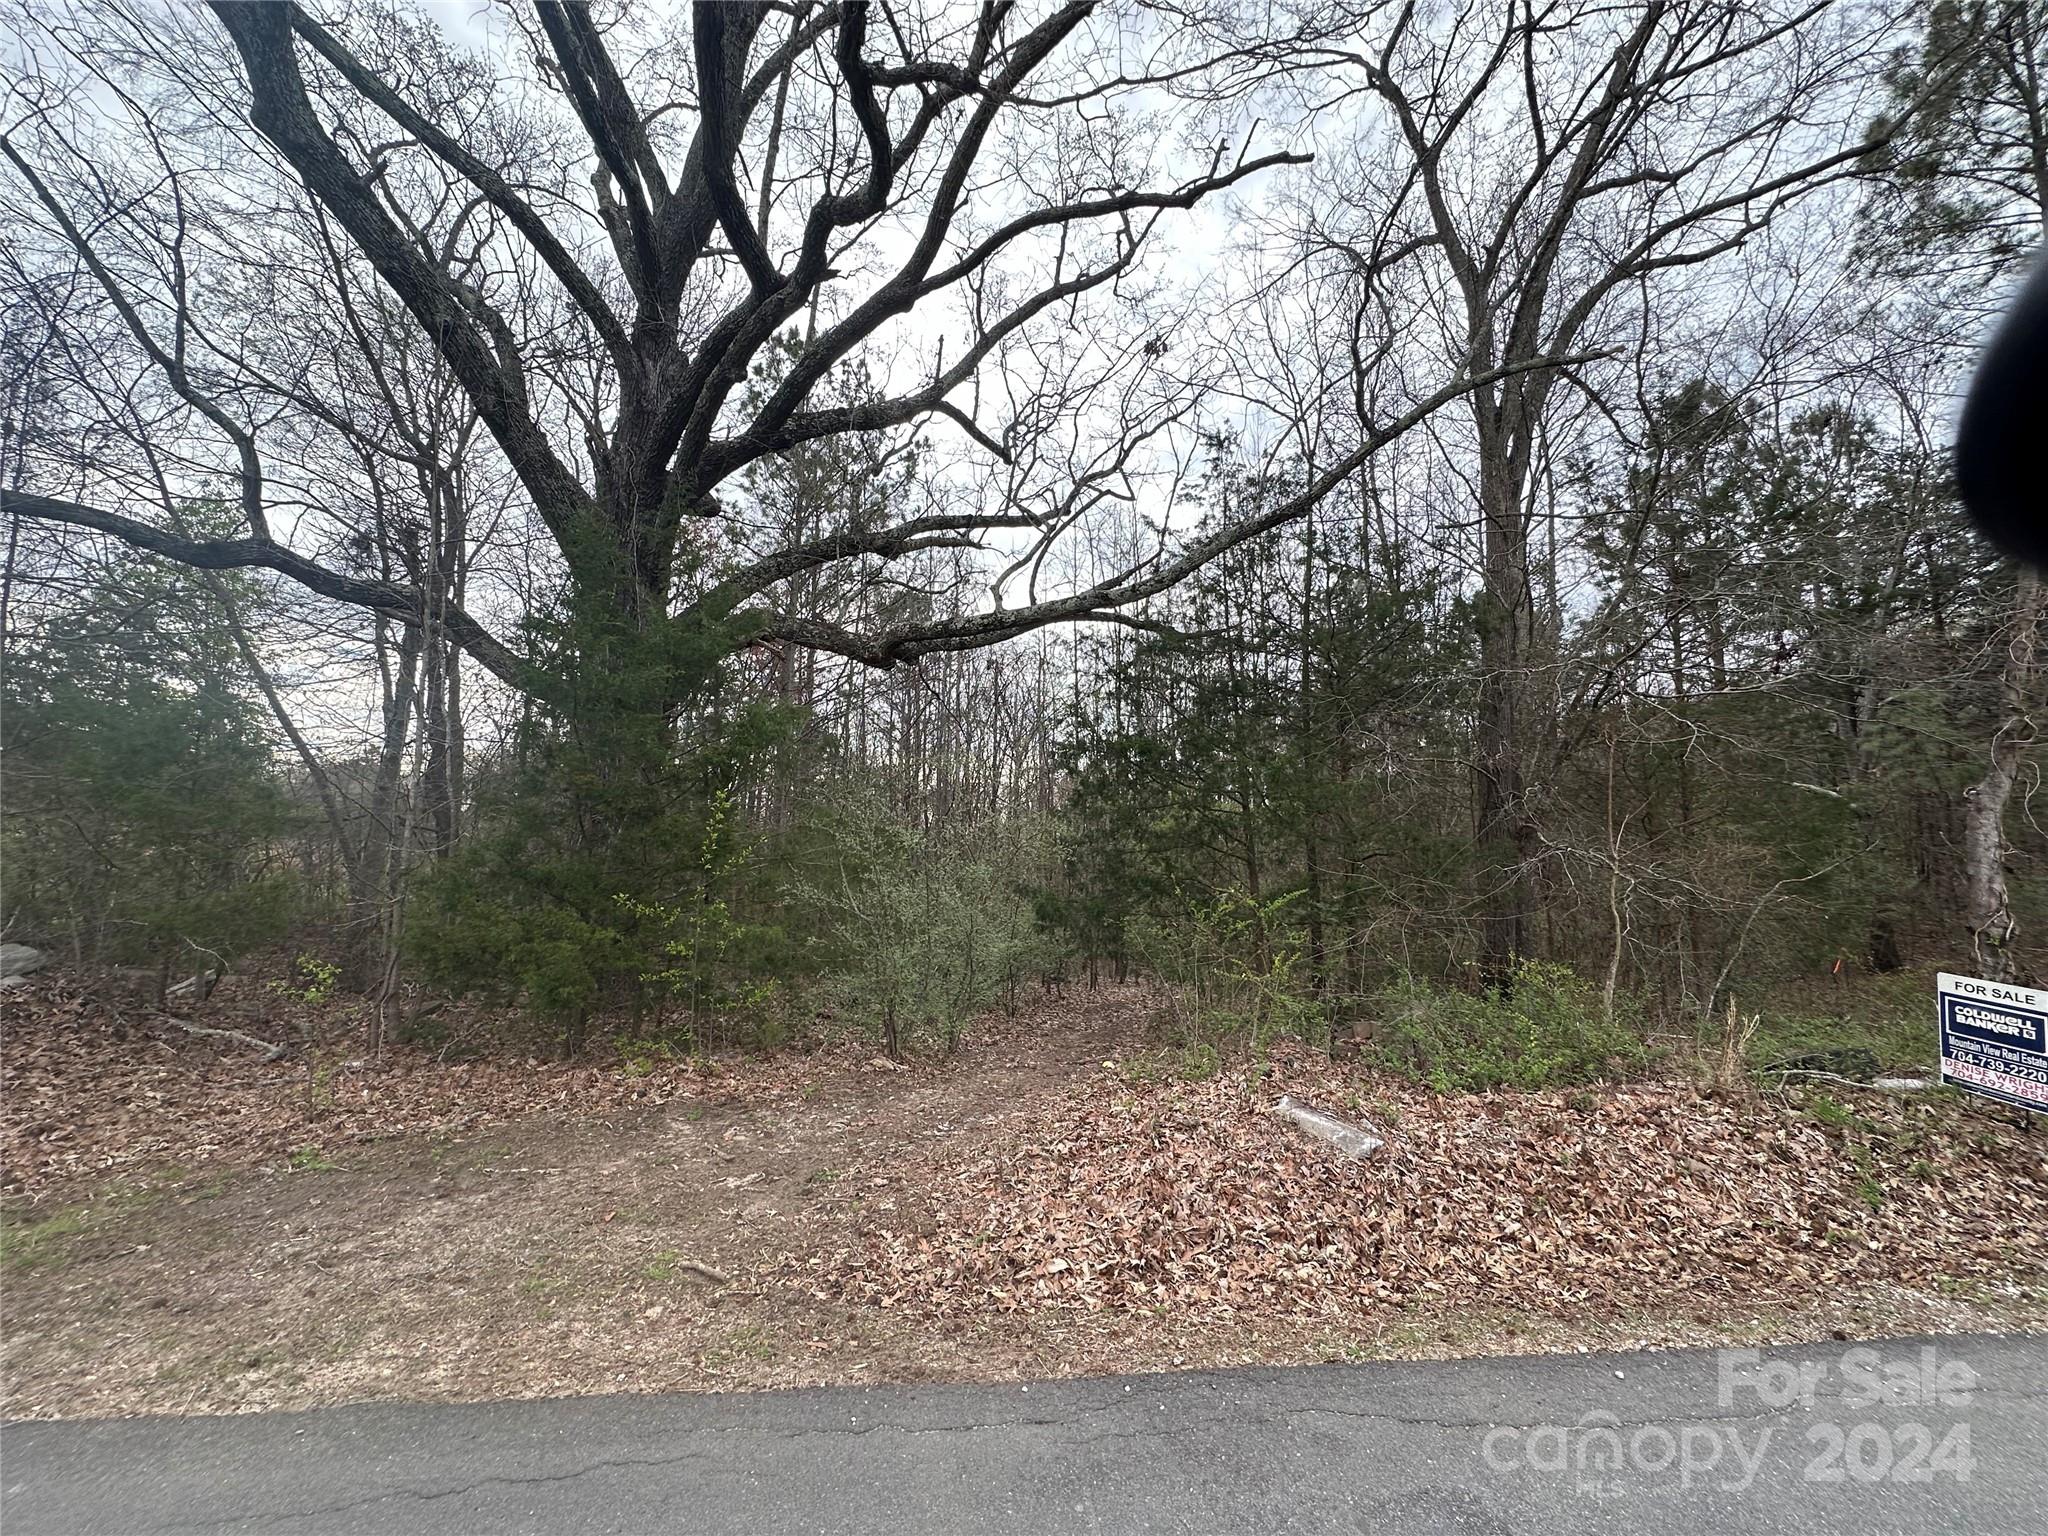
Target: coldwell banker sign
(1994,1039)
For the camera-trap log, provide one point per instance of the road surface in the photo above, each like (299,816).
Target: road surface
(1904,1435)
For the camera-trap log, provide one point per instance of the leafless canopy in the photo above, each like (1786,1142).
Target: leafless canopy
(603,253)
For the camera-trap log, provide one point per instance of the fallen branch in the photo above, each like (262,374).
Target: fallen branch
(1875,1085)
(271,1051)
(704,1271)
(198,986)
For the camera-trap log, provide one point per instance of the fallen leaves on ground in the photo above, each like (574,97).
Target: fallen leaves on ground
(89,1093)
(1094,1192)
(1196,1198)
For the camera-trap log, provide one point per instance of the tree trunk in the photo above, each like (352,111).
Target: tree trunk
(1504,833)
(1311,782)
(438,771)
(382,856)
(1987,909)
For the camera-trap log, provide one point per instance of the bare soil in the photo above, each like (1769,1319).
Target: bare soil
(446,1233)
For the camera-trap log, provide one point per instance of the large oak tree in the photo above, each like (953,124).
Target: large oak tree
(610,250)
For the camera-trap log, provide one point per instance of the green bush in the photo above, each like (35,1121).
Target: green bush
(609,878)
(923,931)
(1548,1029)
(1234,967)
(558,935)
(144,819)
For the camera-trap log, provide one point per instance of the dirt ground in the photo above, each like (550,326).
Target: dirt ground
(670,1232)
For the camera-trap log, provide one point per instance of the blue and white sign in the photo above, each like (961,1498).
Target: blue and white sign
(1994,1039)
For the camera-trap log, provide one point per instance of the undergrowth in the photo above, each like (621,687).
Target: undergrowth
(1547,1029)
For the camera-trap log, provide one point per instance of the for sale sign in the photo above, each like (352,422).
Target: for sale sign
(1994,1039)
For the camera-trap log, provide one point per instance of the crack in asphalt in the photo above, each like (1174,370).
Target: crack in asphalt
(434,1495)
(1235,1415)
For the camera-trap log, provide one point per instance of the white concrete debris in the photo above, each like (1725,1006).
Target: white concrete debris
(1352,1140)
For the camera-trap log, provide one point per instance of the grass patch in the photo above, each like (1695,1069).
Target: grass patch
(541,1283)
(644,1056)
(1140,1071)
(749,1341)
(661,1269)
(1833,1112)
(27,1245)
(1195,1062)
(1890,1017)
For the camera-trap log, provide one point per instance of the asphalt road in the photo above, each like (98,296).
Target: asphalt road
(1816,1438)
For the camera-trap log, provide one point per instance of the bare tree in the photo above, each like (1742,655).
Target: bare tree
(814,164)
(1554,162)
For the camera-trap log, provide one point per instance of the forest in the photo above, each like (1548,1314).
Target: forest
(1426,529)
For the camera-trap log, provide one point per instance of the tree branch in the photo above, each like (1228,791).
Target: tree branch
(283,114)
(1099,601)
(481,176)
(261,553)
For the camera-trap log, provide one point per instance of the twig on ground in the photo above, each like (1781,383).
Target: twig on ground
(271,1050)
